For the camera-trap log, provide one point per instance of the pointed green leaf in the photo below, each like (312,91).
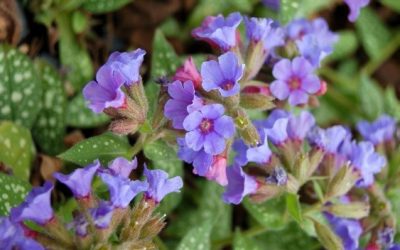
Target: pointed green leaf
(241,242)
(392,104)
(345,46)
(104,6)
(289,9)
(393,4)
(373,34)
(49,128)
(104,147)
(158,152)
(293,207)
(198,238)
(20,89)
(12,192)
(269,214)
(16,148)
(327,237)
(80,116)
(371,98)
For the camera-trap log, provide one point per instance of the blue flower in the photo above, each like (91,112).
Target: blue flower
(264,30)
(122,167)
(379,131)
(240,184)
(36,207)
(79,181)
(347,229)
(328,139)
(223,75)
(355,6)
(12,237)
(160,185)
(207,128)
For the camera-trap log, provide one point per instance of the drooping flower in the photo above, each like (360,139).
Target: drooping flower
(328,139)
(127,65)
(217,170)
(122,167)
(264,30)
(188,72)
(79,181)
(12,237)
(277,134)
(348,230)
(106,91)
(261,153)
(294,80)
(122,190)
(364,158)
(223,75)
(208,128)
(239,185)
(379,131)
(219,31)
(355,7)
(102,215)
(183,101)
(160,185)
(298,126)
(36,207)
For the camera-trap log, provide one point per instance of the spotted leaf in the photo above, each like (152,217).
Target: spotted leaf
(197,238)
(20,89)
(79,116)
(16,149)
(12,192)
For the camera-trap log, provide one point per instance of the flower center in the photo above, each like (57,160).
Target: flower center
(294,83)
(206,125)
(227,85)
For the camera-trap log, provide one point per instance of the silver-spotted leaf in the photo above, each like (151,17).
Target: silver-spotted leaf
(80,116)
(198,238)
(12,193)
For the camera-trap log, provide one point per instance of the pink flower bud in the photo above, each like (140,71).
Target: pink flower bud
(217,171)
(188,72)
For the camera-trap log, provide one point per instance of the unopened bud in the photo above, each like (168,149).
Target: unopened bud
(342,182)
(353,210)
(327,237)
(255,59)
(138,94)
(292,184)
(266,192)
(247,130)
(189,72)
(123,126)
(255,97)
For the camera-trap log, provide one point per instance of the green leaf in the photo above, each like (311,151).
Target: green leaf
(103,6)
(241,242)
(158,152)
(373,34)
(393,4)
(49,128)
(198,238)
(80,116)
(16,148)
(269,214)
(12,192)
(327,237)
(291,237)
(164,62)
(20,89)
(293,206)
(79,22)
(345,46)
(74,57)
(371,98)
(289,10)
(392,104)
(104,147)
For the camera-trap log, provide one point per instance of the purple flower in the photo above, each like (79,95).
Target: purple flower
(36,207)
(208,128)
(355,6)
(395,247)
(79,181)
(261,153)
(183,100)
(219,31)
(278,133)
(379,131)
(294,80)
(240,184)
(200,159)
(328,139)
(106,91)
(264,30)
(298,126)
(122,190)
(122,167)
(127,64)
(160,185)
(223,75)
(273,4)
(79,224)
(12,237)
(364,158)
(102,215)
(347,229)
(278,177)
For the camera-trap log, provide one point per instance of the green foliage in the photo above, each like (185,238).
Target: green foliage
(49,128)
(12,192)
(16,148)
(374,36)
(164,157)
(104,147)
(293,207)
(371,98)
(269,214)
(392,104)
(104,6)
(241,242)
(80,116)
(197,238)
(20,88)
(393,4)
(345,46)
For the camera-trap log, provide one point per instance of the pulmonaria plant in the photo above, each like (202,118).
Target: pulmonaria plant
(95,221)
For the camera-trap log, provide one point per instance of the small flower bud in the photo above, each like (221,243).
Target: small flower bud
(123,126)
(327,237)
(342,182)
(247,130)
(266,192)
(353,210)
(256,97)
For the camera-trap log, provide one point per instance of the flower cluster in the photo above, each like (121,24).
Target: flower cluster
(96,219)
